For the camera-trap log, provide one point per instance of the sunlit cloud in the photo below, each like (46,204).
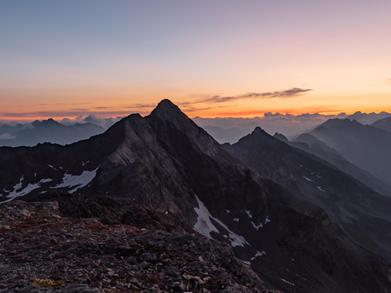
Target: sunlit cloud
(289,93)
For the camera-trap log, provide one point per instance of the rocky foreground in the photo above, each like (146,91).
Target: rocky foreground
(42,251)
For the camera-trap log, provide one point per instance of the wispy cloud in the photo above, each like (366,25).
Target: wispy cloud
(289,93)
(388,81)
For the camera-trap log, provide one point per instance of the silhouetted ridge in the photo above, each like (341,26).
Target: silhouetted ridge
(336,122)
(315,146)
(48,122)
(384,124)
(167,110)
(258,134)
(366,146)
(259,131)
(167,105)
(281,137)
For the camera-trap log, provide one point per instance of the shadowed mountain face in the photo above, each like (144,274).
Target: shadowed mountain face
(166,167)
(363,213)
(384,124)
(311,144)
(46,131)
(365,146)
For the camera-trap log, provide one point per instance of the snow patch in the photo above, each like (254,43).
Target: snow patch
(236,239)
(257,226)
(261,224)
(321,188)
(287,282)
(308,179)
(235,219)
(205,227)
(19,191)
(267,220)
(247,263)
(77,181)
(258,254)
(249,214)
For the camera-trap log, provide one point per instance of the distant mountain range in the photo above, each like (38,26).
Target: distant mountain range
(366,146)
(46,131)
(300,223)
(232,129)
(313,145)
(222,129)
(358,209)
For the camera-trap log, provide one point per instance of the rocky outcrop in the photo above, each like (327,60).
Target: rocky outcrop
(43,251)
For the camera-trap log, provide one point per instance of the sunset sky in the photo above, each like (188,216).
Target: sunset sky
(214,58)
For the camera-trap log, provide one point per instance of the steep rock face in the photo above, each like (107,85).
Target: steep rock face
(216,177)
(166,170)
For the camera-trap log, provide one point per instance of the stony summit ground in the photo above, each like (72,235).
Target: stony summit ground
(41,251)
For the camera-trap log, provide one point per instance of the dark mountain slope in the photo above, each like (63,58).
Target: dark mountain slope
(167,168)
(361,212)
(365,146)
(311,144)
(384,124)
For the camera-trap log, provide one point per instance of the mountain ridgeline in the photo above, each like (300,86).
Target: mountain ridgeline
(384,124)
(366,146)
(46,131)
(299,223)
(361,212)
(311,144)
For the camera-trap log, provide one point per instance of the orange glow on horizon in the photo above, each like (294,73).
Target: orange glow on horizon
(244,110)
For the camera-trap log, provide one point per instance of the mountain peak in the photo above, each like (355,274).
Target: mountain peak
(168,111)
(48,122)
(336,122)
(167,106)
(257,135)
(259,131)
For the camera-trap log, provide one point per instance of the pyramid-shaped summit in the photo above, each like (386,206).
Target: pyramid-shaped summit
(168,111)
